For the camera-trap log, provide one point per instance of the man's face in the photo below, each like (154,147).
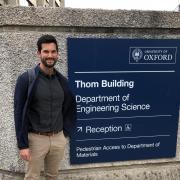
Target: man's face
(48,54)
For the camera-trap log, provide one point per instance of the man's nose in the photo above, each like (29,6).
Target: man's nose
(50,54)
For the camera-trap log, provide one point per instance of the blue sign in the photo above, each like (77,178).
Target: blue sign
(127,98)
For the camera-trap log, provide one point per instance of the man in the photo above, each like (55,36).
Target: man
(45,111)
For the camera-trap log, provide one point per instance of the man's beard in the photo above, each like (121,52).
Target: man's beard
(44,62)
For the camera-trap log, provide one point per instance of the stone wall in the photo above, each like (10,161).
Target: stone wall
(20,27)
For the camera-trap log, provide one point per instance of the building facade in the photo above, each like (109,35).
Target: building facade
(9,2)
(44,3)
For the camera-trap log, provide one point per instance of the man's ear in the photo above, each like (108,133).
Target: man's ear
(38,53)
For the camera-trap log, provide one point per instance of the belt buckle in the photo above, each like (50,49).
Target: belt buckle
(51,134)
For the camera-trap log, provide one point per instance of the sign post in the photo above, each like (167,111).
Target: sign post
(127,101)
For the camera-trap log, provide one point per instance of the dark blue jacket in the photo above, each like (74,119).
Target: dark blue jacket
(22,101)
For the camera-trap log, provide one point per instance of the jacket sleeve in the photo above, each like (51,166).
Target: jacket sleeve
(69,110)
(69,115)
(20,96)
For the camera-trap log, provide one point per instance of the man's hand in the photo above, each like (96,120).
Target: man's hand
(25,154)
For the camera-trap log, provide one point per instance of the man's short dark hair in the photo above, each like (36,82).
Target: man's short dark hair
(46,39)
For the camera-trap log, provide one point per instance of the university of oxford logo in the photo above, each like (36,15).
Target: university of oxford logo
(137,54)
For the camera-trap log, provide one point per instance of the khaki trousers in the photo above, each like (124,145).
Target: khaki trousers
(47,151)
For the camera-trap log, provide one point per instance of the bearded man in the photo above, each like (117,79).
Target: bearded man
(45,113)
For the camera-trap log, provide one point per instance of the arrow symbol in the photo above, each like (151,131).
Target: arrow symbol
(79,129)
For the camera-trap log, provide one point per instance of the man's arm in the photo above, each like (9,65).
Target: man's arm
(20,97)
(69,109)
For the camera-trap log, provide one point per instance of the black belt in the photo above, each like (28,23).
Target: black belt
(45,133)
